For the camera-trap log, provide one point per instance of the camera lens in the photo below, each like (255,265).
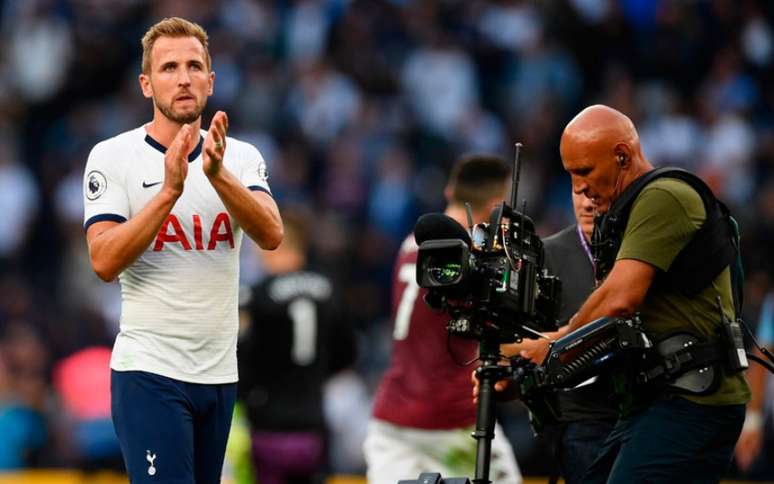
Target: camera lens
(444,273)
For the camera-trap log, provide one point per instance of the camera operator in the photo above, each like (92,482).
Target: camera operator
(423,416)
(587,415)
(661,436)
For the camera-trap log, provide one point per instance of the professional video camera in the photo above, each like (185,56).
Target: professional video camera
(491,281)
(490,278)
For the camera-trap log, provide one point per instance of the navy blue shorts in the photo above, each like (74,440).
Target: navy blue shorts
(171,432)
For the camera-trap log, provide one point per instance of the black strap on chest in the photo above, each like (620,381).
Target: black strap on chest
(714,246)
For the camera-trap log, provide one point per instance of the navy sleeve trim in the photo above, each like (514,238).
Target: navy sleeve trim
(258,188)
(103,217)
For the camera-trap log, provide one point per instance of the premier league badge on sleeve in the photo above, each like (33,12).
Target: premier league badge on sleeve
(263,172)
(96,184)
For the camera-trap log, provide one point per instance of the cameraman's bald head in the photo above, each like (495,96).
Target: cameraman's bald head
(601,150)
(599,125)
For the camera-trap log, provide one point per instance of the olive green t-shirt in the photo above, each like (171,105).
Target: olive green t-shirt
(664,217)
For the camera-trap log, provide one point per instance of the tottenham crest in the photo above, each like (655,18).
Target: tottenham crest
(150,458)
(96,184)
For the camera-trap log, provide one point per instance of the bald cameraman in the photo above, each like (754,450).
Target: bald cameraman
(662,436)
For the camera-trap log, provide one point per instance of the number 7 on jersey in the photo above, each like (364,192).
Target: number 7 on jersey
(406,273)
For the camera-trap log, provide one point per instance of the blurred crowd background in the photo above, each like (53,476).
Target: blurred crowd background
(359,107)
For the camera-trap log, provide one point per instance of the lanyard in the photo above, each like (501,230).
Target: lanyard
(585,244)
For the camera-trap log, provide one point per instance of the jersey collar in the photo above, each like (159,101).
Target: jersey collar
(160,147)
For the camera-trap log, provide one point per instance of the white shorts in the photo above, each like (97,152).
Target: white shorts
(393,453)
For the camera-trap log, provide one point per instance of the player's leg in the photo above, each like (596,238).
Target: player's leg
(391,455)
(453,454)
(214,407)
(504,468)
(153,422)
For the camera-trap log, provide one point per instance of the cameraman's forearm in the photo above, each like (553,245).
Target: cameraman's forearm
(588,311)
(561,332)
(601,303)
(114,246)
(512,349)
(619,296)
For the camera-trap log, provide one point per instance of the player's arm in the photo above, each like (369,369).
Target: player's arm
(751,439)
(255,211)
(114,246)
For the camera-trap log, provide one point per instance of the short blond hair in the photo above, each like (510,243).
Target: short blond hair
(173,27)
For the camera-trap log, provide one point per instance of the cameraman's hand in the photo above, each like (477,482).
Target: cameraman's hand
(511,349)
(500,387)
(534,350)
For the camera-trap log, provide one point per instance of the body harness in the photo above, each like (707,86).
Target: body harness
(683,361)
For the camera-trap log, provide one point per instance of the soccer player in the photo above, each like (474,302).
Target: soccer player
(423,415)
(165,207)
(755,447)
(295,333)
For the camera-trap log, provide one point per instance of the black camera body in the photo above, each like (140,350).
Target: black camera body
(435,478)
(489,280)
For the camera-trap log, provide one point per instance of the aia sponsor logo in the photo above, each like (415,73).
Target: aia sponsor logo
(171,232)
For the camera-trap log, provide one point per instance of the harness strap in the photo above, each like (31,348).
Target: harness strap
(689,358)
(713,247)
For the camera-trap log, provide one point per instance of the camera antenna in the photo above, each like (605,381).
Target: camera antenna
(521,225)
(495,219)
(516,174)
(469,213)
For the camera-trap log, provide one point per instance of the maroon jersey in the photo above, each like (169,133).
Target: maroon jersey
(424,386)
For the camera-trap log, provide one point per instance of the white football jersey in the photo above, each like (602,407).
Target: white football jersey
(179,298)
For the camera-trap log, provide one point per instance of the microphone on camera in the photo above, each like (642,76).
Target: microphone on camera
(432,226)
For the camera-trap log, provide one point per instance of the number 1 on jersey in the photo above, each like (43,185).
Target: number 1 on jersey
(406,273)
(303,313)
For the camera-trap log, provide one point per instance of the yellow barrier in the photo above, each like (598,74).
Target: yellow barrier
(62,477)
